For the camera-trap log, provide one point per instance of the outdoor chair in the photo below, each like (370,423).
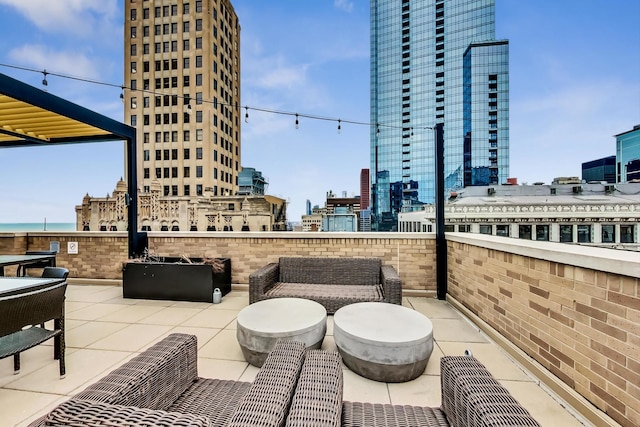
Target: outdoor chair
(55,273)
(161,387)
(22,317)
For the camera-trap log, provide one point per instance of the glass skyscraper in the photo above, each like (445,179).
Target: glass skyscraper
(435,61)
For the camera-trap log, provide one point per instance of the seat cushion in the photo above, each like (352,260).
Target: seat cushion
(383,415)
(319,292)
(213,398)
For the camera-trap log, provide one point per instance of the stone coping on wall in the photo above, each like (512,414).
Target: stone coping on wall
(616,261)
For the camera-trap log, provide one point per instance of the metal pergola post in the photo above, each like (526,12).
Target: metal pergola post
(441,241)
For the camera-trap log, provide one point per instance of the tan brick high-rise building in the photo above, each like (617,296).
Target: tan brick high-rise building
(182,94)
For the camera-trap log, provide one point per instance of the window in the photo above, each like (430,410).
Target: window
(145,155)
(185,26)
(198,42)
(502,230)
(198,171)
(146,173)
(133,50)
(158,154)
(566,233)
(186,136)
(185,8)
(608,233)
(198,24)
(199,153)
(165,172)
(524,231)
(187,190)
(174,154)
(186,153)
(166,154)
(464,228)
(199,189)
(185,63)
(134,120)
(134,14)
(166,193)
(627,233)
(198,134)
(186,172)
(146,137)
(198,5)
(198,79)
(198,116)
(158,173)
(199,61)
(174,28)
(174,174)
(542,232)
(486,229)
(145,13)
(134,32)
(584,233)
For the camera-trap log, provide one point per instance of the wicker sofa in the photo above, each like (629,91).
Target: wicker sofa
(161,387)
(332,282)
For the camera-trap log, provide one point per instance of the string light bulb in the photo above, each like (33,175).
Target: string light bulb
(246,115)
(377,129)
(44,80)
(122,93)
(297,122)
(339,127)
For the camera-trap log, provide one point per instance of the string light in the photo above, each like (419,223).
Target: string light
(122,88)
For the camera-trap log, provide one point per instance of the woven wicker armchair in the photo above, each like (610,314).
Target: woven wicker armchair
(161,387)
(332,282)
(471,397)
(22,323)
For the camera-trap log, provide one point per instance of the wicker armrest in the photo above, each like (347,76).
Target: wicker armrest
(318,397)
(267,402)
(391,284)
(261,280)
(154,379)
(84,412)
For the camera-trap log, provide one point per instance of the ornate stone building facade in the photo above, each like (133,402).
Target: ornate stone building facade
(591,214)
(157,212)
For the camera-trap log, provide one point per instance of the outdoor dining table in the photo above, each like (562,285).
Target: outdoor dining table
(21,260)
(18,285)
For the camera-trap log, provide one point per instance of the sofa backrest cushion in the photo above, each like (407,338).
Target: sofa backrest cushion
(154,379)
(338,271)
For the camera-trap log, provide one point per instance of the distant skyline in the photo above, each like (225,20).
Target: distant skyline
(574,83)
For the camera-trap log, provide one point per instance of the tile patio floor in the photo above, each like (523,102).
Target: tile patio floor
(104,330)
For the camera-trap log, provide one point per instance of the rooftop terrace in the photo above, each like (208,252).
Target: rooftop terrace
(547,319)
(104,330)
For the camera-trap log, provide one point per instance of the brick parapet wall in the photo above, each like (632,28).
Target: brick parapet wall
(413,256)
(580,319)
(101,254)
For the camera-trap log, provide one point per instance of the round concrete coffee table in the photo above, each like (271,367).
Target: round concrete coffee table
(262,324)
(383,342)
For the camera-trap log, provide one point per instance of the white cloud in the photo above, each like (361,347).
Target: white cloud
(43,57)
(84,18)
(345,5)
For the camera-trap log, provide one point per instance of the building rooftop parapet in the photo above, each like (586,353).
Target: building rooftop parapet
(607,260)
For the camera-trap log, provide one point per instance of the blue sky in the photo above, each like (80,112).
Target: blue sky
(574,82)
